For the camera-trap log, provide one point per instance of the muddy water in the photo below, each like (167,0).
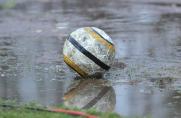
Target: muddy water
(147,35)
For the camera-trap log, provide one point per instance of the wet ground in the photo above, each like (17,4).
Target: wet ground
(147,35)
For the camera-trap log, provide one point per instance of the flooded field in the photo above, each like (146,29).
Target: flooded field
(145,79)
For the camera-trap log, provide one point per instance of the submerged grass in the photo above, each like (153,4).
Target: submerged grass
(21,111)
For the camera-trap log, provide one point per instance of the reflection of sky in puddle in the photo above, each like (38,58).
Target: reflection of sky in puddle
(145,100)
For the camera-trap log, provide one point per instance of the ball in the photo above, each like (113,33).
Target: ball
(89,50)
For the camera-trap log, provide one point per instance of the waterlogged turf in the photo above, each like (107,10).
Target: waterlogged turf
(147,40)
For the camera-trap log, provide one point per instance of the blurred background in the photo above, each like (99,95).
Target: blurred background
(147,36)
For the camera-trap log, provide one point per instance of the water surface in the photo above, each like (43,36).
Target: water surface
(147,36)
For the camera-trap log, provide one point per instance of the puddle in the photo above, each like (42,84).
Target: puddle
(145,79)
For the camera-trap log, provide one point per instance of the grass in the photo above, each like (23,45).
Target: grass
(8,4)
(22,112)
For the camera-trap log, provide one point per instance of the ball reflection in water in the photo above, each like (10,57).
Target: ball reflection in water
(91,93)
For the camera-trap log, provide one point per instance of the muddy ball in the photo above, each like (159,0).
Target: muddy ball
(89,51)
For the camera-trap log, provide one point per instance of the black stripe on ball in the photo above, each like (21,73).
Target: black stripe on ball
(88,54)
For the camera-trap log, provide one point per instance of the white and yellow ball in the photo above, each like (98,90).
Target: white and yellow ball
(89,50)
